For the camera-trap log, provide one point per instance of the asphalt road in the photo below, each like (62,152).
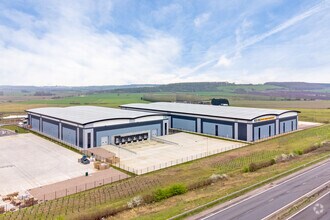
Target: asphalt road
(269,201)
(318,210)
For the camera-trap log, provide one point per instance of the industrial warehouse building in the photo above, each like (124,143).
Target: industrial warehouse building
(91,126)
(247,124)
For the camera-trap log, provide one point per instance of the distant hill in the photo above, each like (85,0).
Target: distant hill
(80,89)
(177,87)
(300,85)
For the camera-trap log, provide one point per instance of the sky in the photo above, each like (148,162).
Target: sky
(118,42)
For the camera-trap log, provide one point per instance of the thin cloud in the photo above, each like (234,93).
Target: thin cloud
(257,38)
(201,19)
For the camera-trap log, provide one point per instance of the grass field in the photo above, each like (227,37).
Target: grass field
(316,111)
(231,163)
(106,99)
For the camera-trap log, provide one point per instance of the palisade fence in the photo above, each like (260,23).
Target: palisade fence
(177,161)
(82,201)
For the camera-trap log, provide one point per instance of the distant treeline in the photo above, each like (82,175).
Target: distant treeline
(43,93)
(176,87)
(174,98)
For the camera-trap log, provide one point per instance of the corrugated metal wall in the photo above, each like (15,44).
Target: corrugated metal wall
(35,123)
(184,123)
(266,130)
(50,127)
(287,125)
(110,131)
(242,131)
(224,129)
(69,134)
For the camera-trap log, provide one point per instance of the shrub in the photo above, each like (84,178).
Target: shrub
(253,167)
(256,166)
(246,169)
(177,189)
(215,177)
(200,184)
(298,152)
(173,190)
(284,157)
(161,194)
(272,162)
(101,213)
(136,201)
(311,148)
(148,198)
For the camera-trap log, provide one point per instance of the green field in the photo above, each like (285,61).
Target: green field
(107,99)
(317,111)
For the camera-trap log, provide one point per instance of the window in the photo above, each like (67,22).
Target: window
(291,125)
(88,140)
(283,127)
(216,131)
(270,131)
(165,132)
(259,133)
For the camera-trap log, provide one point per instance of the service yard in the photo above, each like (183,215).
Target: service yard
(166,151)
(28,161)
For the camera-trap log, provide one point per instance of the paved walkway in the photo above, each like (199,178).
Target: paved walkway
(78,184)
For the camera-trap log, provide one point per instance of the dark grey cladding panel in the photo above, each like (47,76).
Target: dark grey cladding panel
(217,121)
(177,121)
(112,127)
(264,123)
(69,134)
(50,127)
(288,118)
(242,131)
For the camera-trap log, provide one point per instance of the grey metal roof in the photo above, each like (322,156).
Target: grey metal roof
(208,110)
(88,114)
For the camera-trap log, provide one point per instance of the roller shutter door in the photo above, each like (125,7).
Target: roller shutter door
(35,123)
(50,128)
(185,124)
(69,134)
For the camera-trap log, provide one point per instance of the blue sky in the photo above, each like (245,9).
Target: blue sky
(101,42)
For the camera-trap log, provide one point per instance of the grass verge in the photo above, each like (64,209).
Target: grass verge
(16,129)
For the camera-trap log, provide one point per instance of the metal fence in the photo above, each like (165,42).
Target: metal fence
(82,201)
(79,188)
(176,161)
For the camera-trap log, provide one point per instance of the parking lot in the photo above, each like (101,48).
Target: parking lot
(28,161)
(165,151)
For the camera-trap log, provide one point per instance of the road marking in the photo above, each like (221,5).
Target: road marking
(292,216)
(293,202)
(301,174)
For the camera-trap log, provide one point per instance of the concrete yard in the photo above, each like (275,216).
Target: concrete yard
(28,161)
(302,125)
(169,150)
